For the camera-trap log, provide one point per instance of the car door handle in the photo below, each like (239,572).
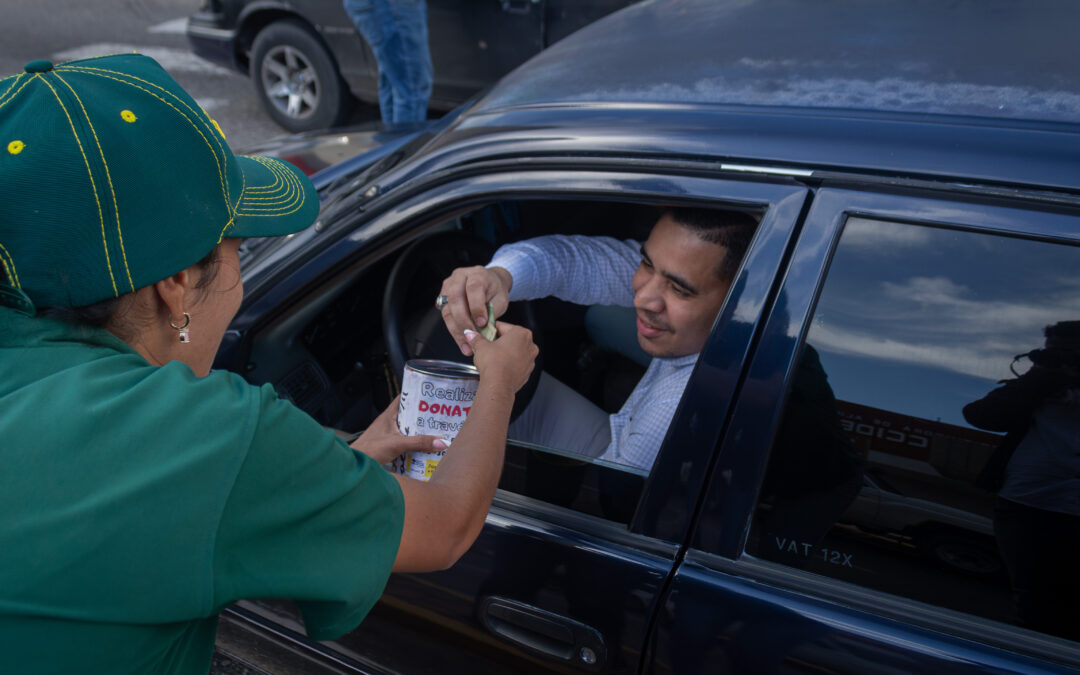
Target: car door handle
(542,631)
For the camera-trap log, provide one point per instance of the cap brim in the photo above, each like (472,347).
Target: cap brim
(277,199)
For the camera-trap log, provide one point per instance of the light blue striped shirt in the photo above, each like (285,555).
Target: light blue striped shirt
(598,271)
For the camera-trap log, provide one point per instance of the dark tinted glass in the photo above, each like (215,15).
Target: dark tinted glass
(918,454)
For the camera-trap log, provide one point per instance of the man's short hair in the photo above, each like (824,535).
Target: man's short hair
(731,229)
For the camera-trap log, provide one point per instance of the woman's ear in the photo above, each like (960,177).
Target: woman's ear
(177,293)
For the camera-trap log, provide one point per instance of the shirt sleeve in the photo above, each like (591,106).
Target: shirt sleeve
(308,519)
(576,268)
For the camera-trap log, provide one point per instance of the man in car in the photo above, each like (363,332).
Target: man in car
(676,282)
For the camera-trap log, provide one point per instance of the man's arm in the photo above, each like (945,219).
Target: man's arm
(579,269)
(584,270)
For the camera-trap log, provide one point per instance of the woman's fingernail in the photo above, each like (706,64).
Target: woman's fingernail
(470,335)
(480,321)
(440,444)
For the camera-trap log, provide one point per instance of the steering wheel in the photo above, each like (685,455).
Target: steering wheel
(413,328)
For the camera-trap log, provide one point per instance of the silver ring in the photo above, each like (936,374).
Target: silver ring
(441,301)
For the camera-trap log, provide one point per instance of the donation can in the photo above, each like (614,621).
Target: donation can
(436,397)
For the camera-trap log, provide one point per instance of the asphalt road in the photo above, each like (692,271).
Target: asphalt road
(61,30)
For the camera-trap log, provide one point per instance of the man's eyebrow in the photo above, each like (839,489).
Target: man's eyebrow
(669,275)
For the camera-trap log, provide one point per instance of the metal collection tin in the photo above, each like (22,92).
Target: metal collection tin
(436,396)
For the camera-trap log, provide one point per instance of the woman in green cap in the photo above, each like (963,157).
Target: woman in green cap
(141,492)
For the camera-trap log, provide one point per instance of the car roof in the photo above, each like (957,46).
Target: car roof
(999,59)
(970,95)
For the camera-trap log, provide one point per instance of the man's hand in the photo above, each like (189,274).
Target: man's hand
(468,290)
(382,441)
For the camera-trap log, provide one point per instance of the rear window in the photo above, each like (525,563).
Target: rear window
(930,444)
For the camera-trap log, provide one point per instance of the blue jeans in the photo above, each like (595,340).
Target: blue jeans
(396,31)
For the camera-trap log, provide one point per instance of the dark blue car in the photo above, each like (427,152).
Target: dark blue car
(828,497)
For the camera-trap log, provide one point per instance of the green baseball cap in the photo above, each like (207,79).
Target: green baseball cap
(114,178)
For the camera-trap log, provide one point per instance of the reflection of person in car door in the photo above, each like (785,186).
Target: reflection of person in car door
(676,282)
(1036,473)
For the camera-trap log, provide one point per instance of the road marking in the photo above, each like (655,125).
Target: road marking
(174,27)
(171,59)
(211,104)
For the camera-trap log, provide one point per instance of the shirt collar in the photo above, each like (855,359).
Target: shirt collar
(678,361)
(19,330)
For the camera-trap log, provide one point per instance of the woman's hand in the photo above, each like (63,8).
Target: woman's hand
(382,441)
(509,359)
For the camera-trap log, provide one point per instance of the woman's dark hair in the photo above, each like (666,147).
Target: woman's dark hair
(112,311)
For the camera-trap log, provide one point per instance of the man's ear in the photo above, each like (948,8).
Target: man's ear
(176,293)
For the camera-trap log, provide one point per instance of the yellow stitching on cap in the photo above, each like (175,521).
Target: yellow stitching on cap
(287,181)
(275,186)
(15,81)
(15,147)
(12,275)
(232,214)
(285,198)
(128,116)
(282,200)
(222,175)
(125,78)
(16,93)
(204,118)
(216,126)
(294,197)
(108,177)
(93,185)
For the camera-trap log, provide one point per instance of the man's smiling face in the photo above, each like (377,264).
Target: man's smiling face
(677,292)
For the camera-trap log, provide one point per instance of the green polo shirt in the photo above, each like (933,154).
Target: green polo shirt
(136,501)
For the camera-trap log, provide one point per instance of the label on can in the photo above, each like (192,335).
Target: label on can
(436,397)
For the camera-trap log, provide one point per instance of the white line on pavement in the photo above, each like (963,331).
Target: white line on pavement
(174,27)
(211,104)
(171,59)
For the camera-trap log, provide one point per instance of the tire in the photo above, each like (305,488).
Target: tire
(296,78)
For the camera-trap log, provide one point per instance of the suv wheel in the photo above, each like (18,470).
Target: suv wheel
(296,78)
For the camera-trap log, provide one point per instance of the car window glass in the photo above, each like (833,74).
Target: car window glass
(347,360)
(918,454)
(601,409)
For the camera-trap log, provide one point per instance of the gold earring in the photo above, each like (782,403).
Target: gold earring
(182,331)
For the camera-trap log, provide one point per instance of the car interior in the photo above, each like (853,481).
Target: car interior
(339,352)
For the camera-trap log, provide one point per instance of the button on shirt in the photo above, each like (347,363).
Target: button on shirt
(599,271)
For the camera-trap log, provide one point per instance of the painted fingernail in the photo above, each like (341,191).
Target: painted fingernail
(440,444)
(470,334)
(480,321)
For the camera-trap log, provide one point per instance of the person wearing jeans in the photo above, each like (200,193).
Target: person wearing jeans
(396,31)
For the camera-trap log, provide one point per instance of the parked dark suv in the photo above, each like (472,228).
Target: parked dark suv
(821,502)
(307,60)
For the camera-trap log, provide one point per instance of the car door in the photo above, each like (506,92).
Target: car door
(895,313)
(567,573)
(475,42)
(472,42)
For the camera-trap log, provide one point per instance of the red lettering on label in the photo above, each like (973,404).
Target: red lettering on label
(442,409)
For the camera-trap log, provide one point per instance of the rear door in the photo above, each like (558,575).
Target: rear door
(847,527)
